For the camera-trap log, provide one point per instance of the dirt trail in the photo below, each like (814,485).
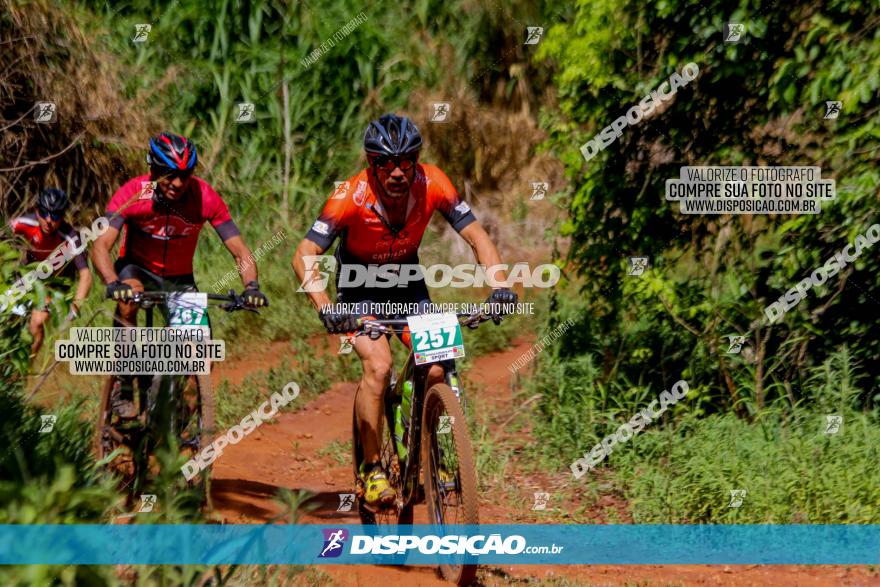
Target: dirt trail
(309,450)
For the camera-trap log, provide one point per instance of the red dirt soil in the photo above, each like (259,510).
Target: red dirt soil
(285,455)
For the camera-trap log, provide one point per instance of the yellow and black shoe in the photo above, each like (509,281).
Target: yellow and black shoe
(378,492)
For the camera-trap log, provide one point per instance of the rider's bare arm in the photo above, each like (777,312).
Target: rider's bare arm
(243,259)
(485,252)
(101,255)
(309,248)
(83,285)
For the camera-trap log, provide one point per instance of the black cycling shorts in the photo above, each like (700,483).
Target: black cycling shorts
(125,269)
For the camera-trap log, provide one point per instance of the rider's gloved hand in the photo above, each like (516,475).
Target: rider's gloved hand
(253,297)
(337,322)
(119,291)
(497,300)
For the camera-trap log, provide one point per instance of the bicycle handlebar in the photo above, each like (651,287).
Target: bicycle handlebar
(234,301)
(370,327)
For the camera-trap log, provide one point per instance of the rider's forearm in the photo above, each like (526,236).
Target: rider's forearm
(319,299)
(485,253)
(246,268)
(103,263)
(83,285)
(308,248)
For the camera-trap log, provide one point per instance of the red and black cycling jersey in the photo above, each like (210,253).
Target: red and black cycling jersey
(41,245)
(161,236)
(355,214)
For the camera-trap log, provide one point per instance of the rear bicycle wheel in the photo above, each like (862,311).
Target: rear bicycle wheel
(116,438)
(450,477)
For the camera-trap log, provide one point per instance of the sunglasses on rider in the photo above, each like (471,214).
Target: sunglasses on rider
(56,216)
(388,164)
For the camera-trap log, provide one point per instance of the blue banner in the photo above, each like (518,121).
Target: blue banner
(157,544)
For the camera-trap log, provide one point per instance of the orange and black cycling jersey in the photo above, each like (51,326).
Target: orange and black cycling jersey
(355,214)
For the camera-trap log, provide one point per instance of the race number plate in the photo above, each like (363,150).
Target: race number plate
(188,309)
(435,337)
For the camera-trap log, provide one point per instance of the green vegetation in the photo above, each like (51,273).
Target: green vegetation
(752,419)
(338,451)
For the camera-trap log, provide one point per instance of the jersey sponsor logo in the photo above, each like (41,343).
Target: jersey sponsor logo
(360,194)
(341,190)
(463,208)
(321,227)
(173,227)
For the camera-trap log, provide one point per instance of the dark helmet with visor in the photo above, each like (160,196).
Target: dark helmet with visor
(392,136)
(53,200)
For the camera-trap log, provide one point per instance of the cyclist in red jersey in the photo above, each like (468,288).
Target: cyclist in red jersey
(380,216)
(46,231)
(162,215)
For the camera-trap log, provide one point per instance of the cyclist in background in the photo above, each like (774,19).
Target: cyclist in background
(162,215)
(45,230)
(380,216)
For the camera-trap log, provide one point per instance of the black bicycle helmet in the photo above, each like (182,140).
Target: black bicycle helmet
(392,135)
(172,152)
(53,200)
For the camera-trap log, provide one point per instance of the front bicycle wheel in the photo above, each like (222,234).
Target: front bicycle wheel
(195,427)
(450,477)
